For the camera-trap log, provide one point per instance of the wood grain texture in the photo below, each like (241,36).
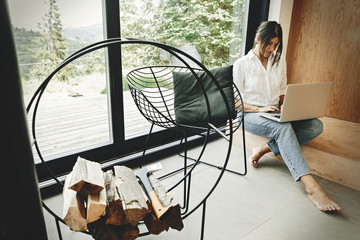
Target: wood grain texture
(73,208)
(324,45)
(87,177)
(115,214)
(96,206)
(134,204)
(173,220)
(339,137)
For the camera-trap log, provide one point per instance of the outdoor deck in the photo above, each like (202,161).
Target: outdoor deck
(66,124)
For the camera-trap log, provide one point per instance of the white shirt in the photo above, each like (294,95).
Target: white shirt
(259,86)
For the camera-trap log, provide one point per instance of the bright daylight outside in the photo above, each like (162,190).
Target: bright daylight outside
(74,111)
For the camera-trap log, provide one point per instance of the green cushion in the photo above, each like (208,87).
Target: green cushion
(189,100)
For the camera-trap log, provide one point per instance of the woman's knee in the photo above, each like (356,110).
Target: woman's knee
(285,127)
(307,130)
(283,130)
(317,126)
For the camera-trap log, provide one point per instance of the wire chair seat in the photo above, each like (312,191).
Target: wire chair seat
(152,89)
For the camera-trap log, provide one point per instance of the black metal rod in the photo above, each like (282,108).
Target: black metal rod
(147,140)
(221,167)
(188,196)
(203,221)
(175,172)
(185,206)
(244,144)
(58,228)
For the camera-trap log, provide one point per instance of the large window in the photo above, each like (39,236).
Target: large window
(210,31)
(73,112)
(87,109)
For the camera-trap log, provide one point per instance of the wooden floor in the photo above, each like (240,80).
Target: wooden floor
(65,124)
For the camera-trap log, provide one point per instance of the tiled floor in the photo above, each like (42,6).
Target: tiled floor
(264,204)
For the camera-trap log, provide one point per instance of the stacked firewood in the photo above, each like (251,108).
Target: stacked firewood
(111,204)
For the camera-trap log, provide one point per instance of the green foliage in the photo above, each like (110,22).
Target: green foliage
(209,25)
(213,27)
(24,42)
(138,20)
(53,46)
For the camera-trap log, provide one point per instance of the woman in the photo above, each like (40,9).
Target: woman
(261,79)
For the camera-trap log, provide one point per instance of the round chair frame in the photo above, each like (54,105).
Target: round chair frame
(206,133)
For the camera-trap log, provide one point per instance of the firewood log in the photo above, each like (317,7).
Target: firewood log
(130,191)
(73,208)
(129,232)
(87,177)
(101,231)
(174,218)
(115,213)
(96,206)
(153,224)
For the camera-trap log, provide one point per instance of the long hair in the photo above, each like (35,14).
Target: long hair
(267,31)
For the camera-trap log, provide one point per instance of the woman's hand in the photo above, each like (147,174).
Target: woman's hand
(252,108)
(269,109)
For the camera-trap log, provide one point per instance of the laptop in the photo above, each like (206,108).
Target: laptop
(303,101)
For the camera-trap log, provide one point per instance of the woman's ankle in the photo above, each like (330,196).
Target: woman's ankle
(310,184)
(265,149)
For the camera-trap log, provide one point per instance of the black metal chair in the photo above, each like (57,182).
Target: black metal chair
(152,89)
(154,100)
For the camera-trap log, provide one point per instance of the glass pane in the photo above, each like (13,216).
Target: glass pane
(135,123)
(210,31)
(73,112)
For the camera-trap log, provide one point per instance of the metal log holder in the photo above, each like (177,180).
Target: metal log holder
(162,118)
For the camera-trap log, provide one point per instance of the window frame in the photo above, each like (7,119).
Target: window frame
(122,150)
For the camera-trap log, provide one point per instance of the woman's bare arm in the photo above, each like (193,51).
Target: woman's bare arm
(253,108)
(281,101)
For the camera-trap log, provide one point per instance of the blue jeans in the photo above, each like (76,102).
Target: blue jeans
(286,139)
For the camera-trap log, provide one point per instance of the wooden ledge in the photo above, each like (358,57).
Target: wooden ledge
(340,138)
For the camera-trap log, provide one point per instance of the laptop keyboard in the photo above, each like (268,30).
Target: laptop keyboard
(276,114)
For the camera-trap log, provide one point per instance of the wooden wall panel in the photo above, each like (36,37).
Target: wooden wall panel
(324,45)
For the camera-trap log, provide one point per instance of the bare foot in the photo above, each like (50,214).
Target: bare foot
(317,195)
(257,153)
